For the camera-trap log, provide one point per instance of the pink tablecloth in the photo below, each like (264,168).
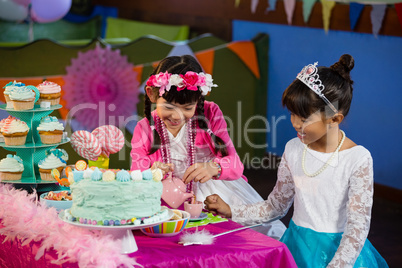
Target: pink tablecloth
(246,248)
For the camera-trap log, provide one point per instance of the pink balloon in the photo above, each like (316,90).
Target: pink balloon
(49,10)
(23,2)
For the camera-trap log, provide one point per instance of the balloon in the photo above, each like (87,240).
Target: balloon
(12,11)
(22,2)
(49,10)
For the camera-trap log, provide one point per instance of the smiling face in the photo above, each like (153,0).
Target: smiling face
(173,114)
(310,130)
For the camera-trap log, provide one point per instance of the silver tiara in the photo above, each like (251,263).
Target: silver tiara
(309,76)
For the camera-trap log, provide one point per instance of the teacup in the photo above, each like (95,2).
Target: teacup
(194,209)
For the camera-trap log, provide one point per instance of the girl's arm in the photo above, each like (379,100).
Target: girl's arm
(231,165)
(358,216)
(140,146)
(277,204)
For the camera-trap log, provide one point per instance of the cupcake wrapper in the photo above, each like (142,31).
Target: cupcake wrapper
(47,176)
(9,102)
(12,141)
(8,176)
(23,105)
(50,139)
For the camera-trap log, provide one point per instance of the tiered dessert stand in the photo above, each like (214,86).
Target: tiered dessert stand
(34,150)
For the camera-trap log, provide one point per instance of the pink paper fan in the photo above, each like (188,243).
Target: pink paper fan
(110,138)
(97,82)
(86,144)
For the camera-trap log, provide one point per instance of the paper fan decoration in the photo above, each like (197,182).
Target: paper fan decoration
(100,88)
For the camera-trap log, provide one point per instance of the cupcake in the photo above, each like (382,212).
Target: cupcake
(2,122)
(55,159)
(14,131)
(7,90)
(49,92)
(11,168)
(23,98)
(50,130)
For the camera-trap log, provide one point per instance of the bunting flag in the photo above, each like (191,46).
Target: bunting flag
(326,13)
(377,15)
(237,3)
(254,4)
(289,9)
(206,59)
(307,7)
(398,8)
(245,50)
(355,10)
(271,6)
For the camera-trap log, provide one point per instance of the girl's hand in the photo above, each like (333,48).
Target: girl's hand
(201,172)
(164,167)
(214,203)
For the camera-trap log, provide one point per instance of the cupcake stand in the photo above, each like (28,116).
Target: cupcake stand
(34,150)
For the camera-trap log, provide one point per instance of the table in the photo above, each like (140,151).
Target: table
(245,248)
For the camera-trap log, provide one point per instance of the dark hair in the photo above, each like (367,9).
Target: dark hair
(181,65)
(302,101)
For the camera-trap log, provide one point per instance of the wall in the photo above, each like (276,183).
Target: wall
(373,120)
(211,16)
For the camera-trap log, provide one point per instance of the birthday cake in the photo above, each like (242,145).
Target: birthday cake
(115,197)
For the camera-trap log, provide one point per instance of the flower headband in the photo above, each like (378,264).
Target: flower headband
(309,76)
(190,80)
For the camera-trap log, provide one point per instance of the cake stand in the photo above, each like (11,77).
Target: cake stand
(122,233)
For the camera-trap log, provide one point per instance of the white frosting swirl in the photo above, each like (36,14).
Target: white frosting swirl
(51,162)
(50,126)
(14,125)
(10,165)
(22,94)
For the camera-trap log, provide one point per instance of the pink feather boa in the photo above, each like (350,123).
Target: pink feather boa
(24,218)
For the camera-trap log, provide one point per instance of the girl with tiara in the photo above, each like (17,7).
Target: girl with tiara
(327,176)
(188,136)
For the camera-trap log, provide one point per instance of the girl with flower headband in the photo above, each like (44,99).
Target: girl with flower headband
(327,176)
(188,136)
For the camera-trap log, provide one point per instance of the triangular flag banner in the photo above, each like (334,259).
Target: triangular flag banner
(289,9)
(271,6)
(326,13)
(254,4)
(206,59)
(237,3)
(245,50)
(307,7)
(355,10)
(398,8)
(377,15)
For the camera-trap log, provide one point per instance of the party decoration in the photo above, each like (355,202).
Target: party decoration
(271,6)
(307,7)
(97,82)
(326,12)
(12,11)
(289,9)
(111,139)
(85,144)
(355,9)
(49,10)
(377,15)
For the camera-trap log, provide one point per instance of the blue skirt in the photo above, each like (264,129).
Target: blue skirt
(313,249)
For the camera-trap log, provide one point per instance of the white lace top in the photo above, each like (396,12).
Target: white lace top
(337,200)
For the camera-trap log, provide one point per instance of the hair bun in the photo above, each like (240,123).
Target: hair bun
(344,66)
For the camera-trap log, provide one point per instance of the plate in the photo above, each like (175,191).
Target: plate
(201,217)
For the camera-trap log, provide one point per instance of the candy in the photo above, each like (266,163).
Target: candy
(86,144)
(81,165)
(67,170)
(110,138)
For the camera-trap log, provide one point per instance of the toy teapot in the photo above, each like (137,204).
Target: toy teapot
(174,191)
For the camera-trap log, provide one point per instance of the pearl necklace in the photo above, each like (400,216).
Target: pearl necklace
(165,144)
(328,161)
